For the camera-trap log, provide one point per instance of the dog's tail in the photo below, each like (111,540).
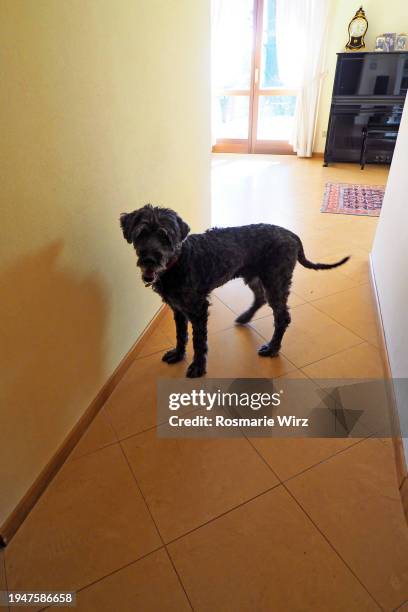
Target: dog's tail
(302,259)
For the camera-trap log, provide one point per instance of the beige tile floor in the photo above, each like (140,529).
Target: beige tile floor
(134,522)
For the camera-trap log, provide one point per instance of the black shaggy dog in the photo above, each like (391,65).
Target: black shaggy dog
(184,270)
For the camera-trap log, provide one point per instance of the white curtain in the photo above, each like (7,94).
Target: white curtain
(301,37)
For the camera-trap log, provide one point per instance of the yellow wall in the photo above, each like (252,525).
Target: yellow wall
(105,106)
(390,16)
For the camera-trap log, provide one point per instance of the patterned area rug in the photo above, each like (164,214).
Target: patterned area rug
(348,199)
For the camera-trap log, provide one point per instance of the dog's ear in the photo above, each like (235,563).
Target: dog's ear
(184,227)
(128,222)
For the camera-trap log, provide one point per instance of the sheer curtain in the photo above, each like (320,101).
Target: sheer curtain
(301,36)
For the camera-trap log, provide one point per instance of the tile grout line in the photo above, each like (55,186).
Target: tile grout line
(264,460)
(236,314)
(138,433)
(149,354)
(119,569)
(332,355)
(323,297)
(331,545)
(94,450)
(126,437)
(156,526)
(283,481)
(218,516)
(338,322)
(320,378)
(178,576)
(339,452)
(342,325)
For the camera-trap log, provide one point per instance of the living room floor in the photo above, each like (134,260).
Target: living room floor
(135,522)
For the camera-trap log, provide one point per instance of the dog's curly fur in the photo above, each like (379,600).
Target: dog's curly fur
(184,270)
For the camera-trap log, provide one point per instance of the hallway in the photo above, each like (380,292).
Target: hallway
(134,522)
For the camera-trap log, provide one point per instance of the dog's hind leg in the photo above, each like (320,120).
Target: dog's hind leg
(277,296)
(177,354)
(259,300)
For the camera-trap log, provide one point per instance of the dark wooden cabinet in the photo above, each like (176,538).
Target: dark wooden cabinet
(368,96)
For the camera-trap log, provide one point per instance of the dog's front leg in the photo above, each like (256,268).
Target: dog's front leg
(199,322)
(178,353)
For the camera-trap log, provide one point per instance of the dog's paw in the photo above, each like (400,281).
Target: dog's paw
(173,356)
(243,318)
(195,370)
(267,350)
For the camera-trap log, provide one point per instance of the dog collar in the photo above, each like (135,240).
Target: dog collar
(172,263)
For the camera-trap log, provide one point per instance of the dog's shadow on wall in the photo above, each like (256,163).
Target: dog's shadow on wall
(52,325)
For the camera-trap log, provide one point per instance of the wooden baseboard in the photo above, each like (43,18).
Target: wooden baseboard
(404,496)
(13,522)
(401,466)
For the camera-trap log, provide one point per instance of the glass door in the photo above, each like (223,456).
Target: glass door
(252,111)
(233,42)
(273,106)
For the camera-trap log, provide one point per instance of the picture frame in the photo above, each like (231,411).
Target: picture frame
(401,43)
(381,44)
(390,39)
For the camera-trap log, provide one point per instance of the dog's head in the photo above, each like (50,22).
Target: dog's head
(156,234)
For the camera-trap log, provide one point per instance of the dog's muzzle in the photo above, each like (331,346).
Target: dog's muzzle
(148,276)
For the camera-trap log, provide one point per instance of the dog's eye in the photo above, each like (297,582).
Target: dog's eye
(163,236)
(140,231)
